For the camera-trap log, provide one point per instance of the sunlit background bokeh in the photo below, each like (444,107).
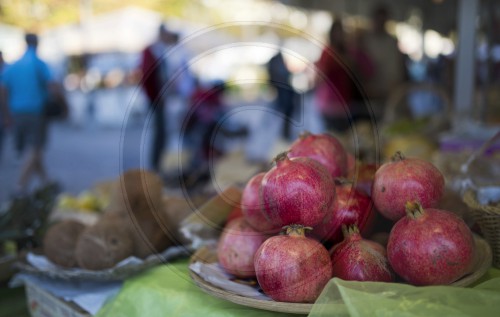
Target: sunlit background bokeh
(94,48)
(114,32)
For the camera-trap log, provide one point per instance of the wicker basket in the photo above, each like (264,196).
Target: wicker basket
(488,219)
(481,264)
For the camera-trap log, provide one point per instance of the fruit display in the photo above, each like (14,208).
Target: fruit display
(328,226)
(137,221)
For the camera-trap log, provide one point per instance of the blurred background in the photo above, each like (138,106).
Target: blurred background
(450,51)
(237,82)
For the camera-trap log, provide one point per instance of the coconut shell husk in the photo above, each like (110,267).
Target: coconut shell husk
(137,191)
(149,238)
(150,234)
(176,210)
(103,245)
(60,240)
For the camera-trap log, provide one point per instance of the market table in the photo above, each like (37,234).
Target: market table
(168,290)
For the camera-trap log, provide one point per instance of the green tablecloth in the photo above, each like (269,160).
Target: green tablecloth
(491,274)
(168,290)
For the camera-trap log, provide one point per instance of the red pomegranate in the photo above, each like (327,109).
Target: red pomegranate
(237,246)
(406,179)
(358,259)
(430,246)
(297,191)
(364,177)
(252,208)
(323,148)
(350,207)
(292,267)
(235,213)
(351,164)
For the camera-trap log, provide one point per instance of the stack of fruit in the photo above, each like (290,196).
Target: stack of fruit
(137,221)
(301,223)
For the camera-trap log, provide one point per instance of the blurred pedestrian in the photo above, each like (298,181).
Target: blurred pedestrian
(25,87)
(279,79)
(183,83)
(3,109)
(154,68)
(181,92)
(363,70)
(207,107)
(333,91)
(388,61)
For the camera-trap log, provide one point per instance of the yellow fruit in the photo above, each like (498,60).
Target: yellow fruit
(67,201)
(88,202)
(410,145)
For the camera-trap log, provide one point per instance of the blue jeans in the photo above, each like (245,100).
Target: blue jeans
(159,135)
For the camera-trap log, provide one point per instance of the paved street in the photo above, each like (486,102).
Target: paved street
(75,157)
(87,150)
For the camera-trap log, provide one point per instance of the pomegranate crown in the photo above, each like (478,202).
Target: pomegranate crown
(304,134)
(414,209)
(398,156)
(281,157)
(296,230)
(349,230)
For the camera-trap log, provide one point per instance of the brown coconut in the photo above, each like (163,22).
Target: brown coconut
(151,232)
(103,245)
(60,240)
(176,210)
(137,191)
(147,233)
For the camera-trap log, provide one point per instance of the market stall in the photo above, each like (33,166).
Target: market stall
(190,253)
(393,217)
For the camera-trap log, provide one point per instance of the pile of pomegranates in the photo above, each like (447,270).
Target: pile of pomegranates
(327,222)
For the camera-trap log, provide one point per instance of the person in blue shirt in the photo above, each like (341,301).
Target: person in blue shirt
(24,91)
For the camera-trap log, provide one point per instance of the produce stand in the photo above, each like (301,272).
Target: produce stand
(171,288)
(166,290)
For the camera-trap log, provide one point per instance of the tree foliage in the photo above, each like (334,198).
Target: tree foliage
(38,15)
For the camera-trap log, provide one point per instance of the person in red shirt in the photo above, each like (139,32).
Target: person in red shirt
(334,86)
(154,79)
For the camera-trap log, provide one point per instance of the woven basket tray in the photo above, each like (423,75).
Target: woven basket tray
(482,263)
(488,219)
(208,255)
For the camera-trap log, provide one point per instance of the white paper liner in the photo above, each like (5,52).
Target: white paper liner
(215,275)
(40,265)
